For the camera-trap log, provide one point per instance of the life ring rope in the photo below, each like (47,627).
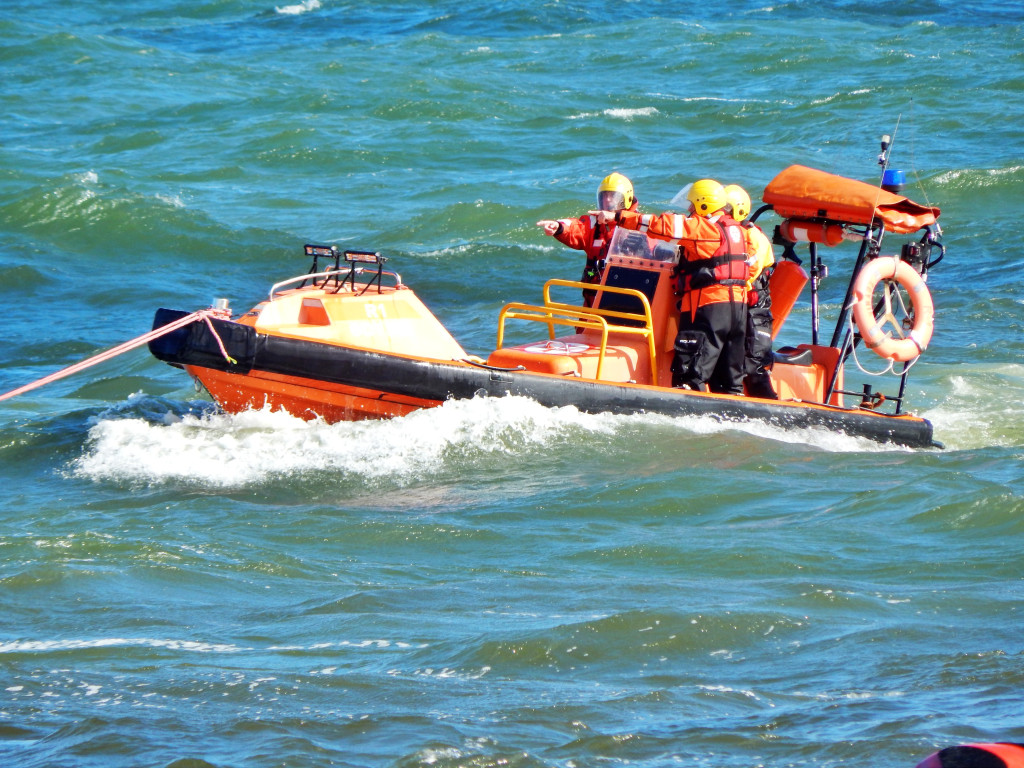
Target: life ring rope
(889,361)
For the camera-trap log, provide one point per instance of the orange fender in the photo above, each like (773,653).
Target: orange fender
(808,231)
(785,285)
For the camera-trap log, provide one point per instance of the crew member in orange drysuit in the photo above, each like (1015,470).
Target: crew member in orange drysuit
(712,281)
(587,234)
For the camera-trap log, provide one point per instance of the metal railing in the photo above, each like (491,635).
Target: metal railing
(554,313)
(337,274)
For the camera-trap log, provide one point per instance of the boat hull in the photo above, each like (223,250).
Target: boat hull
(313,379)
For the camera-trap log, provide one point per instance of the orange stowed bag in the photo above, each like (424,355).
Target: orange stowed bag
(802,192)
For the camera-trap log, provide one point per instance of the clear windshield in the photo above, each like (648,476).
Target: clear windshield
(637,245)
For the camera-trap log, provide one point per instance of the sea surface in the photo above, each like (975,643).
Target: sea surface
(490,583)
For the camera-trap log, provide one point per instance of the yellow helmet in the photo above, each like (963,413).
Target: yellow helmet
(707,197)
(739,200)
(615,193)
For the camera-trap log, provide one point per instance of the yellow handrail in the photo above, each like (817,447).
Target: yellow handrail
(645,317)
(554,313)
(547,315)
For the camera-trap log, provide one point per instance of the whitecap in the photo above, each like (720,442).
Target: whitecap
(629,114)
(172,200)
(47,646)
(620,114)
(303,7)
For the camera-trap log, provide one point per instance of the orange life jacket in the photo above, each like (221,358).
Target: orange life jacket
(726,268)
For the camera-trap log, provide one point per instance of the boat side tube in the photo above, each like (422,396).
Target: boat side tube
(401,376)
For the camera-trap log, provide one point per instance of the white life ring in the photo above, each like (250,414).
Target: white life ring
(882,342)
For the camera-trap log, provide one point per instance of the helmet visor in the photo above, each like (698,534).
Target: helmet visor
(610,200)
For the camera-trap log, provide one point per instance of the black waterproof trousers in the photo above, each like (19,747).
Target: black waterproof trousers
(710,349)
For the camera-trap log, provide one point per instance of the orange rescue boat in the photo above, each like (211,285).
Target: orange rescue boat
(349,340)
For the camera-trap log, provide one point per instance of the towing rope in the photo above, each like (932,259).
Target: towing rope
(202,314)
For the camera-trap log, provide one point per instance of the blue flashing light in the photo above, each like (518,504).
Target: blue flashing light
(893,179)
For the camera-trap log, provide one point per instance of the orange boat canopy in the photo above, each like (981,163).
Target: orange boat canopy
(807,193)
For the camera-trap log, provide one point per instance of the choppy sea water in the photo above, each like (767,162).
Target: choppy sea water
(491,582)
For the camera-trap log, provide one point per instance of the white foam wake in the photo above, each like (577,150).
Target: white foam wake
(222,450)
(980,407)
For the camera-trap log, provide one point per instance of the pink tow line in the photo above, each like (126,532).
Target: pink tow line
(202,314)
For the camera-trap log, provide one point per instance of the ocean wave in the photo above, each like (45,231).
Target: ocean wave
(974,178)
(293,10)
(626,114)
(52,646)
(81,201)
(980,407)
(199,646)
(423,590)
